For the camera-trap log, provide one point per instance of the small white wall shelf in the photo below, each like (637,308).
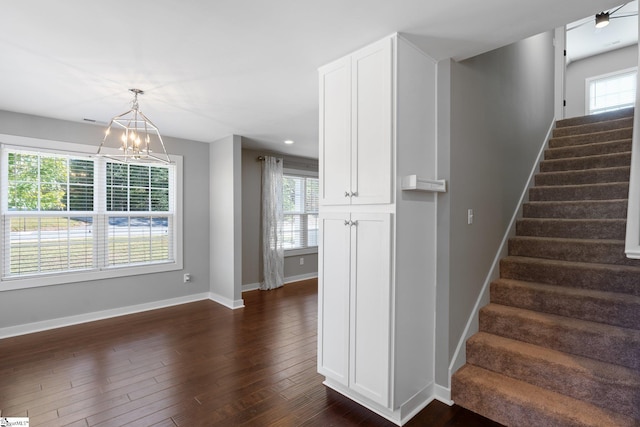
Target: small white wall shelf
(415,183)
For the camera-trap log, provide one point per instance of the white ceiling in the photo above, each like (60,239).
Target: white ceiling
(248,67)
(584,39)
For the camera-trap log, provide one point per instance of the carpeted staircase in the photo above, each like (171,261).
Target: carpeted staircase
(559,343)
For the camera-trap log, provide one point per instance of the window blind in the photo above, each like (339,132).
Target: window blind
(300,207)
(66,213)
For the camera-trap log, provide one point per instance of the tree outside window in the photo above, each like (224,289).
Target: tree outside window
(59,218)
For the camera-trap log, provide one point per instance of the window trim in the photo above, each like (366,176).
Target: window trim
(49,279)
(303,173)
(587,85)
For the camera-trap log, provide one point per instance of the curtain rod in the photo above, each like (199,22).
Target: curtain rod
(261,159)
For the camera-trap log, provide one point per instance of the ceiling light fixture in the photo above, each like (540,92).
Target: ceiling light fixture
(602,19)
(137,139)
(288,141)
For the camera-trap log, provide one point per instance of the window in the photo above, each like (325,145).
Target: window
(611,92)
(68,214)
(300,206)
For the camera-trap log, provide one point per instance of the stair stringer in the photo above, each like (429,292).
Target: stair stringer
(472,325)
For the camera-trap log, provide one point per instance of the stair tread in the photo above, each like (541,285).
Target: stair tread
(589,138)
(589,150)
(579,192)
(595,118)
(595,184)
(589,144)
(573,323)
(600,266)
(586,158)
(572,220)
(588,304)
(592,293)
(601,201)
(576,209)
(600,383)
(608,343)
(576,240)
(623,279)
(583,171)
(514,402)
(596,369)
(588,128)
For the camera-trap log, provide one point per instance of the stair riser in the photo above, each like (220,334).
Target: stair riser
(596,209)
(589,176)
(520,404)
(542,373)
(494,404)
(595,118)
(621,146)
(573,250)
(611,311)
(621,349)
(583,163)
(612,135)
(593,127)
(580,192)
(600,278)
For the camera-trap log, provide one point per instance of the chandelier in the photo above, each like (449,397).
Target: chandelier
(132,137)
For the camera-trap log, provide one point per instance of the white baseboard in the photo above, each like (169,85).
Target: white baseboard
(28,328)
(397,416)
(250,287)
(442,394)
(226,301)
(254,286)
(300,277)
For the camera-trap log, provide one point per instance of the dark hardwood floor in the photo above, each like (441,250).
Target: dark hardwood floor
(197,364)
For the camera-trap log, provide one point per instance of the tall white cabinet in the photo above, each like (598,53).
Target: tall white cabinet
(357,123)
(377,243)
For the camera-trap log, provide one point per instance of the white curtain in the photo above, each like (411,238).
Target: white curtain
(272,218)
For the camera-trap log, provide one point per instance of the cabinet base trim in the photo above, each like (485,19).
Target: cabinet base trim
(398,416)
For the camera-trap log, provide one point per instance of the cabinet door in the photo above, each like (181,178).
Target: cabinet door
(370,314)
(333,296)
(372,118)
(335,133)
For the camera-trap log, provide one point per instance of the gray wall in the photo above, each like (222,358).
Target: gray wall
(501,107)
(251,251)
(579,71)
(45,303)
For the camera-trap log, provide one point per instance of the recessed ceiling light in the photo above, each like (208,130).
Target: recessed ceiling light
(289,141)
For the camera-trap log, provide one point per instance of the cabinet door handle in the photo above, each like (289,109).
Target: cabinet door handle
(346,194)
(354,194)
(353,223)
(347,222)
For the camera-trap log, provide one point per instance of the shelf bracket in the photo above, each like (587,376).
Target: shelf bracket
(415,183)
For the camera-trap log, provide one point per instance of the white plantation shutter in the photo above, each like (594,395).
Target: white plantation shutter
(71,213)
